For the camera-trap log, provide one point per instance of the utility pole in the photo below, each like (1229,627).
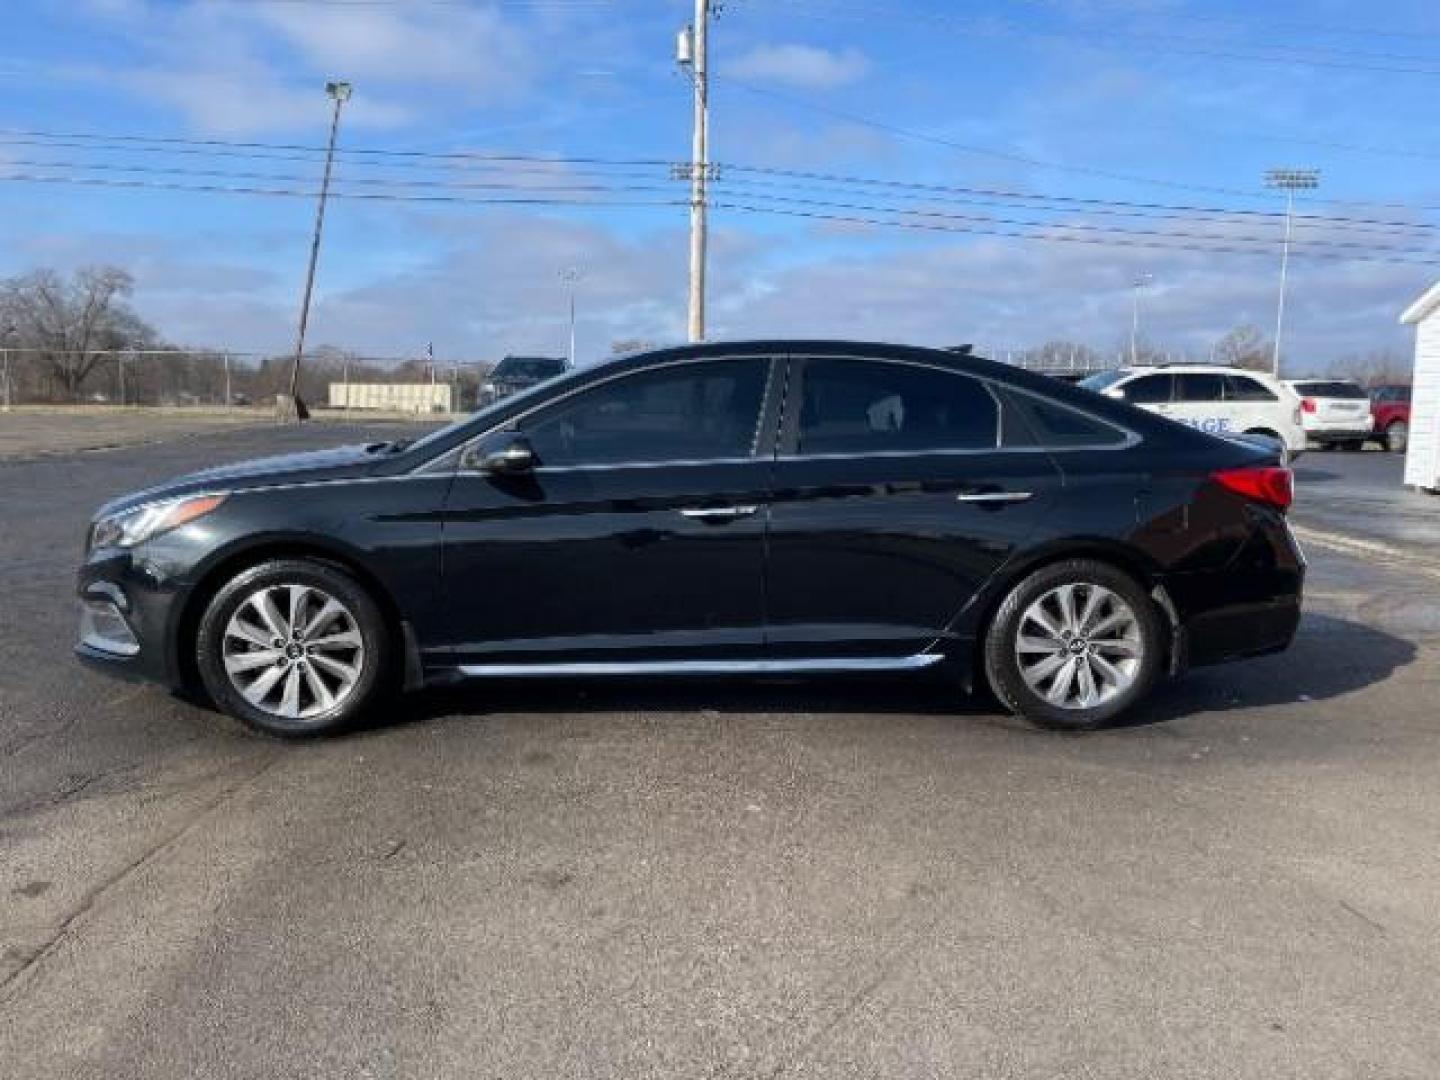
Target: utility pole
(1288,181)
(1139,283)
(10,331)
(339,92)
(226,357)
(693,53)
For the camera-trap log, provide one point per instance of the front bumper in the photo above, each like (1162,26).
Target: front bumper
(126,614)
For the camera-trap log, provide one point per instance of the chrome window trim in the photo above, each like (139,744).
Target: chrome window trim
(448,462)
(436,463)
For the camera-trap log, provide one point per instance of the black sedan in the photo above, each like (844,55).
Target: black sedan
(755,508)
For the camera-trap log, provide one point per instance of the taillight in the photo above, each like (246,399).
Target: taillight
(1307,404)
(1269,484)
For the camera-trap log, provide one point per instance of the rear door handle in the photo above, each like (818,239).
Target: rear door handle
(719,513)
(994,496)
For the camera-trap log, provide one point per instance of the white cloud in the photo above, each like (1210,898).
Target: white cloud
(806,66)
(240,68)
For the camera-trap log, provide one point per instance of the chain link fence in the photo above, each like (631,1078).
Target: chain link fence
(220,379)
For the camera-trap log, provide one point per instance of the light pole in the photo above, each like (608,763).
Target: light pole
(1138,284)
(693,54)
(10,331)
(571,276)
(1288,181)
(339,93)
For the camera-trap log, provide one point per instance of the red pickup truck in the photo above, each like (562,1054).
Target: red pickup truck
(1390,416)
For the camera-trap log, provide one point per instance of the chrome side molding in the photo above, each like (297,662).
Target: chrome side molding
(837,665)
(994,496)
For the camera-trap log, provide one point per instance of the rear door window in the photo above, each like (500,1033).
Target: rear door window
(1196,387)
(860,406)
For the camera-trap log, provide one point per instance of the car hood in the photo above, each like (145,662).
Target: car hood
(337,463)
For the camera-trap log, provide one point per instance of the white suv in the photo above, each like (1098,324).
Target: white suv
(1335,412)
(1220,400)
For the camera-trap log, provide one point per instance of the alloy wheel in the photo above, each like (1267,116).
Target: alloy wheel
(1079,645)
(293,651)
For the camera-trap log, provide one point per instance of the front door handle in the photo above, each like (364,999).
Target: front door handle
(719,513)
(994,496)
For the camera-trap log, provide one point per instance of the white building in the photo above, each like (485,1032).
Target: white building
(1422,457)
(391,397)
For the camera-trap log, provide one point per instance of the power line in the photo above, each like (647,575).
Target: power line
(788,189)
(399,158)
(816,209)
(1150,245)
(222,189)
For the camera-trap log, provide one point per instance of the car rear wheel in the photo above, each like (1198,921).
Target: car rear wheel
(1397,437)
(1074,645)
(293,648)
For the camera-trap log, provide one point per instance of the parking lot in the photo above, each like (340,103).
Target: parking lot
(703,879)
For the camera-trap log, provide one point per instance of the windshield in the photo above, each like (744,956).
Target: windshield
(1100,381)
(1332,389)
(478,416)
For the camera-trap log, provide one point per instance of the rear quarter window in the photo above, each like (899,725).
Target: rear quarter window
(1244,388)
(1040,422)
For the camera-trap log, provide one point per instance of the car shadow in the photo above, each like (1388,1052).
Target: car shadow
(1330,657)
(926,695)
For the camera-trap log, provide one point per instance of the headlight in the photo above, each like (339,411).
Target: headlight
(132,527)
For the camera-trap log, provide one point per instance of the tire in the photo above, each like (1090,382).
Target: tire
(1397,437)
(319,682)
(1017,632)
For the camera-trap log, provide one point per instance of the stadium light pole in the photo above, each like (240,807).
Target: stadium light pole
(1139,284)
(339,93)
(571,277)
(1288,181)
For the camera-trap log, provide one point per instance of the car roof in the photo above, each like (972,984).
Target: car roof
(1197,369)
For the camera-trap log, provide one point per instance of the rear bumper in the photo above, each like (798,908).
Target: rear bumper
(1338,434)
(1238,631)
(1249,607)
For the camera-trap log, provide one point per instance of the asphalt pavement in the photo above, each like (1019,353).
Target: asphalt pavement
(877,878)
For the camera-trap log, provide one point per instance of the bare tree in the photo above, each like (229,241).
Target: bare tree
(1244,347)
(1379,367)
(74,325)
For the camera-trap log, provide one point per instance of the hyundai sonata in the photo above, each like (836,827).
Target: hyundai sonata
(805,507)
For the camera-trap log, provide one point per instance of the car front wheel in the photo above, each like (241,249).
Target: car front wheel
(1074,645)
(293,648)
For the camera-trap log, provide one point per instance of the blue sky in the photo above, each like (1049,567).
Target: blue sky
(1100,120)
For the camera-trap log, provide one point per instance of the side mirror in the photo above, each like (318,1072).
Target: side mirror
(512,456)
